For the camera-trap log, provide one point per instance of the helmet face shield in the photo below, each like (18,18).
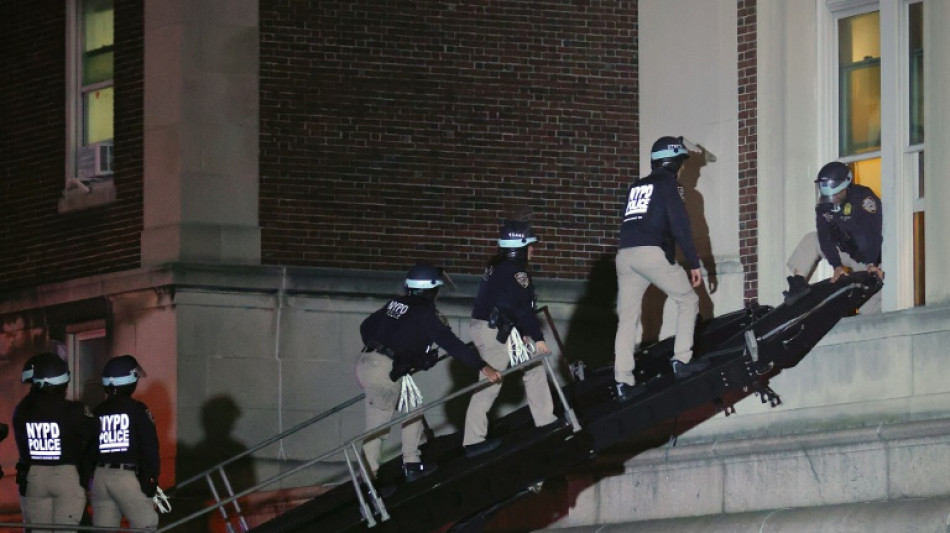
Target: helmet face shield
(122,370)
(832,179)
(424,277)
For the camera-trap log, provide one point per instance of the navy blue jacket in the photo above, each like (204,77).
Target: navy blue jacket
(408,325)
(854,227)
(51,430)
(127,434)
(654,215)
(507,285)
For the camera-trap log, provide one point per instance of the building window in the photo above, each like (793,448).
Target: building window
(90,100)
(87,350)
(859,64)
(881,126)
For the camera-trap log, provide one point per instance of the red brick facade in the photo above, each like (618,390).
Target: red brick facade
(748,148)
(390,132)
(38,244)
(397,131)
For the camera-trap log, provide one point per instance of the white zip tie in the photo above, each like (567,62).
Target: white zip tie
(409,396)
(518,351)
(161,501)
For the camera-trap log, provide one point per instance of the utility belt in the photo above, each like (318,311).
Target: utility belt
(379,348)
(119,466)
(497,320)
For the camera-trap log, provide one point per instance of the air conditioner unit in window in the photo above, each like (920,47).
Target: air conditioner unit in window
(94,160)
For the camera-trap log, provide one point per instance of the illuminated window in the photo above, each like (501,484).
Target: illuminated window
(881,127)
(859,64)
(90,103)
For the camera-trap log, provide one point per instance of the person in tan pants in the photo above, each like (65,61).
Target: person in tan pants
(654,222)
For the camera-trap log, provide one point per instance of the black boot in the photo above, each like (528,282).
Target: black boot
(684,370)
(797,287)
(414,471)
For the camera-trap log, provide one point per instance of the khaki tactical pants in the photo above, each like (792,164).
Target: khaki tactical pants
(53,496)
(382,397)
(808,253)
(637,268)
(117,493)
(535,380)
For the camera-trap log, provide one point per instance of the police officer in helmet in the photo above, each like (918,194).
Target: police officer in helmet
(397,340)
(127,460)
(848,223)
(53,437)
(654,222)
(506,299)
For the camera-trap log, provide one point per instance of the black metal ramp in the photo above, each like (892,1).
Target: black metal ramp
(745,349)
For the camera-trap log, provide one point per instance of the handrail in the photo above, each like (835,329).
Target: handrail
(268,441)
(206,474)
(540,359)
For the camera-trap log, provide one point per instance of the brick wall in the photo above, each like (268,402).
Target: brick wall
(748,148)
(395,131)
(38,245)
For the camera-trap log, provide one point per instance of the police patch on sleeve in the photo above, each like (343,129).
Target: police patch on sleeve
(523,279)
(869,205)
(87,411)
(149,415)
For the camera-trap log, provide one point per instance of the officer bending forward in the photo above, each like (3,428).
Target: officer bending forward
(127,464)
(397,338)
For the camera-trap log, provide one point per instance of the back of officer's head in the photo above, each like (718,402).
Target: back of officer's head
(669,153)
(424,280)
(120,375)
(514,238)
(50,373)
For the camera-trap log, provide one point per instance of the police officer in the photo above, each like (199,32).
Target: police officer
(654,223)
(398,339)
(127,462)
(849,234)
(506,299)
(53,437)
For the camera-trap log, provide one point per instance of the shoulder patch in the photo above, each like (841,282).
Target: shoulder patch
(149,415)
(523,279)
(828,216)
(87,411)
(869,205)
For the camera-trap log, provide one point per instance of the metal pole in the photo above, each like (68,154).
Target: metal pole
(217,499)
(364,507)
(234,501)
(568,410)
(377,500)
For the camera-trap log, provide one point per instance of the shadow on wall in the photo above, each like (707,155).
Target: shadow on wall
(696,207)
(591,330)
(219,415)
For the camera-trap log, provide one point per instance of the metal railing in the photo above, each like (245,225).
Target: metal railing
(355,464)
(351,450)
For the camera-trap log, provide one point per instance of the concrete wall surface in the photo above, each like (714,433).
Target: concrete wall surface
(920,516)
(865,419)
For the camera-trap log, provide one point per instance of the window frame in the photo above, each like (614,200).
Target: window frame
(80,193)
(899,170)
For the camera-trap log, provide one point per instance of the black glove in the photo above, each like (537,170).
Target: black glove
(401,367)
(148,483)
(22,469)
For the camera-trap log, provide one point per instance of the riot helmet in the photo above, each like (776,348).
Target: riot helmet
(832,179)
(515,237)
(424,280)
(668,152)
(50,371)
(121,374)
(27,374)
